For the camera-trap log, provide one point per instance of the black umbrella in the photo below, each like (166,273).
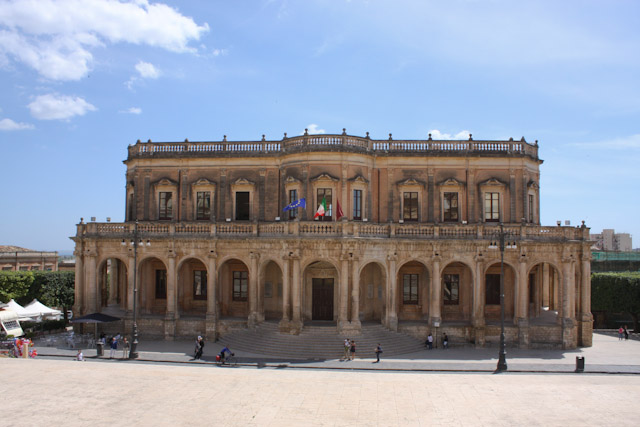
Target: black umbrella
(96,318)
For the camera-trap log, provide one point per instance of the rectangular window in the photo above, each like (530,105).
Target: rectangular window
(161,284)
(357,204)
(410,289)
(203,205)
(410,206)
(492,207)
(240,285)
(492,290)
(166,206)
(199,284)
(451,289)
(293,196)
(242,206)
(325,193)
(450,207)
(531,208)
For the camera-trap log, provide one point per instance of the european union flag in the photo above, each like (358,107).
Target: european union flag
(300,203)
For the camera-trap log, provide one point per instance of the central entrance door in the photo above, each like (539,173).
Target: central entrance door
(322,299)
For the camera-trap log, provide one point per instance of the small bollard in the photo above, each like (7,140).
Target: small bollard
(579,364)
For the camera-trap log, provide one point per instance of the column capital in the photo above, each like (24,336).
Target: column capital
(254,255)
(392,257)
(212,254)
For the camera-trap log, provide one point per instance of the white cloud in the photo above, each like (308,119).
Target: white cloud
(147,70)
(437,135)
(55,37)
(59,107)
(313,129)
(132,110)
(8,124)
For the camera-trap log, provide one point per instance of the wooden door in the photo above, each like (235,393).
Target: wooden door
(322,299)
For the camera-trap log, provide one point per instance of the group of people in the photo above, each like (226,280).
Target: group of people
(623,333)
(350,350)
(429,342)
(116,341)
(199,349)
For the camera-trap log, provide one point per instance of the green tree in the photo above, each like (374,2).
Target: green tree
(616,293)
(58,290)
(15,285)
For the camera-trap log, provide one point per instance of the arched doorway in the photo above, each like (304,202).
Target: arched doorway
(544,294)
(373,288)
(233,278)
(413,291)
(192,287)
(152,285)
(320,292)
(112,283)
(492,293)
(457,292)
(270,291)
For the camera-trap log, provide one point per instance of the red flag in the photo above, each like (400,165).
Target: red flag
(339,210)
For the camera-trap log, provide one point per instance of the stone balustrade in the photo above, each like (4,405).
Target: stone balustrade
(315,142)
(320,229)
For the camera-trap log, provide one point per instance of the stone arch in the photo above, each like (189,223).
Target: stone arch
(111,282)
(544,292)
(412,291)
(233,289)
(320,290)
(270,291)
(152,284)
(457,292)
(491,277)
(372,282)
(191,286)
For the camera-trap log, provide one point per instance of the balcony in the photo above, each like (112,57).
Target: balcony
(322,229)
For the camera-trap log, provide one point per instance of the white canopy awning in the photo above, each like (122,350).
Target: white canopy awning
(36,309)
(23,314)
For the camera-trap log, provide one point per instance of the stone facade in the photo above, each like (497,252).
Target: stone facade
(416,248)
(13,258)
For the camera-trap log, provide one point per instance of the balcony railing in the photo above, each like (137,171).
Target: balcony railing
(315,142)
(322,229)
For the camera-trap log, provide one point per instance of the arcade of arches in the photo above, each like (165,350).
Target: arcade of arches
(185,289)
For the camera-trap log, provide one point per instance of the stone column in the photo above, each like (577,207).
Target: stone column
(171,313)
(586,318)
(211,318)
(253,289)
(392,316)
(344,292)
(522,304)
(286,292)
(79,307)
(568,339)
(436,291)
(545,285)
(113,282)
(130,279)
(478,302)
(355,293)
(344,205)
(296,292)
(91,284)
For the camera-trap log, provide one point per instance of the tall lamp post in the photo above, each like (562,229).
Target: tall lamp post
(133,354)
(501,244)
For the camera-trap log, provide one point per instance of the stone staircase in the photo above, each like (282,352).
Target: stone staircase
(317,341)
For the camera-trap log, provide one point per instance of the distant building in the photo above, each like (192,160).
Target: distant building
(14,258)
(609,240)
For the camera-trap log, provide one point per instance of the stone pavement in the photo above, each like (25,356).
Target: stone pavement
(607,355)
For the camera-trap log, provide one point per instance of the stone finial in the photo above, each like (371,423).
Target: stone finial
(149,140)
(522,139)
(470,137)
(367,135)
(306,131)
(263,137)
(390,137)
(344,131)
(429,137)
(186,140)
(285,136)
(536,142)
(224,138)
(511,139)
(138,142)
(81,220)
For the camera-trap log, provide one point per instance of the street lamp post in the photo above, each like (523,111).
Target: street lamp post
(501,236)
(133,354)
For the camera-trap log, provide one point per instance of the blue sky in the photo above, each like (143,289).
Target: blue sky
(80,80)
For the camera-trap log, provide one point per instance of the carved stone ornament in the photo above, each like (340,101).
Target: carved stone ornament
(166,182)
(410,182)
(533,185)
(359,179)
(493,182)
(451,182)
(324,177)
(291,180)
(243,181)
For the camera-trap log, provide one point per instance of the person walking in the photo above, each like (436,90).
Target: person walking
(445,342)
(199,348)
(347,348)
(430,342)
(114,347)
(125,348)
(620,333)
(353,350)
(378,351)
(626,332)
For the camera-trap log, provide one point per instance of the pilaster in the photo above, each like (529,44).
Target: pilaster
(392,277)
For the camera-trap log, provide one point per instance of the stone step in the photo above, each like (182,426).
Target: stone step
(318,341)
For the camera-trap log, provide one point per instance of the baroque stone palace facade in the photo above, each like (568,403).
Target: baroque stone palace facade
(408,240)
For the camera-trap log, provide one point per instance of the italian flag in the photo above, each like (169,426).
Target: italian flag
(321,209)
